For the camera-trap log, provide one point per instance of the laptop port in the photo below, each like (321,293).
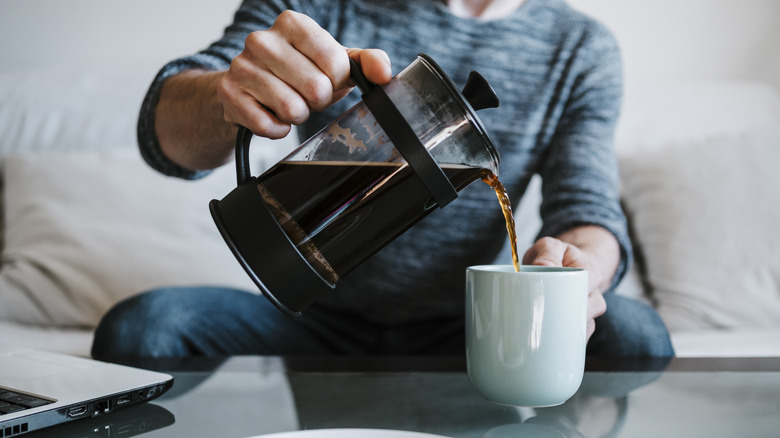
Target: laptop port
(103,407)
(123,399)
(77,411)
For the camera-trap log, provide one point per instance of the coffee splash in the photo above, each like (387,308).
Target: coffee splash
(506,207)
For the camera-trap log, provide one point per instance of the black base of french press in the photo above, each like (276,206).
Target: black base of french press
(265,252)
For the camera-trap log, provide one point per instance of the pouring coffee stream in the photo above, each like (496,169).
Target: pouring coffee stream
(359,183)
(506,208)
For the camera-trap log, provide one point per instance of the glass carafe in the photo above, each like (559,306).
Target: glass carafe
(346,192)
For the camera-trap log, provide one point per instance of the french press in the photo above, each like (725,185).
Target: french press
(349,190)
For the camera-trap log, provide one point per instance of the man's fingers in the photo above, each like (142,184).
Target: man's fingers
(549,251)
(257,118)
(322,59)
(591,328)
(546,251)
(289,70)
(374,63)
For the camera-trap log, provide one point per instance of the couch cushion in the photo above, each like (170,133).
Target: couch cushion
(735,342)
(656,113)
(705,217)
(87,229)
(70,109)
(75,341)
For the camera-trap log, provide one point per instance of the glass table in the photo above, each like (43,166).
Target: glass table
(249,396)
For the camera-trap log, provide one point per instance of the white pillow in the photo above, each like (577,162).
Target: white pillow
(706,220)
(87,229)
(70,109)
(657,113)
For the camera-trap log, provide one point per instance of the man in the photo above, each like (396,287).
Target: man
(284,63)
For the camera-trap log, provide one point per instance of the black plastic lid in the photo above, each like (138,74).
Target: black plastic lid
(477,94)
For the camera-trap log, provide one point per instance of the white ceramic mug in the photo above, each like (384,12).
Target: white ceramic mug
(526,333)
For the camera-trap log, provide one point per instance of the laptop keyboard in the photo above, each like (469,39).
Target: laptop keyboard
(11,401)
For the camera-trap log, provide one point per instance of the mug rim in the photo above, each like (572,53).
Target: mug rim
(524,269)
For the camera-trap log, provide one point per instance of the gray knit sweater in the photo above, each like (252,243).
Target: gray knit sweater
(558,75)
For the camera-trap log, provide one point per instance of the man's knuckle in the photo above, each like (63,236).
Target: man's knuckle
(288,20)
(292,111)
(262,124)
(318,91)
(255,40)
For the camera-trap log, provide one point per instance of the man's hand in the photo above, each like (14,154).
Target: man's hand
(283,74)
(589,247)
(289,70)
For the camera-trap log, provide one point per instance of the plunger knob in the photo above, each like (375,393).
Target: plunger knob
(479,93)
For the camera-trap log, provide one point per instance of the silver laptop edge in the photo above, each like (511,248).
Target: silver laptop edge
(78,388)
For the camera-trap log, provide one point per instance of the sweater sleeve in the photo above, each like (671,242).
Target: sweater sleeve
(579,170)
(251,16)
(148,143)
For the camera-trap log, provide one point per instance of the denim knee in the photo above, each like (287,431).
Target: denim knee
(630,328)
(143,326)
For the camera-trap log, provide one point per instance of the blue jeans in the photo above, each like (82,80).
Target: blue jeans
(174,322)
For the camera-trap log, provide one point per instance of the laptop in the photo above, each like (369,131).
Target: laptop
(40,389)
(124,423)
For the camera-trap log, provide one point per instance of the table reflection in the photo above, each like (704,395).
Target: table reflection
(244,397)
(127,422)
(446,404)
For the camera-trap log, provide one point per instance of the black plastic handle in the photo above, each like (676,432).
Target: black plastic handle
(404,139)
(243,139)
(244,135)
(356,73)
(395,127)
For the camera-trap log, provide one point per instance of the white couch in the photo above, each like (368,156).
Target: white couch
(87,223)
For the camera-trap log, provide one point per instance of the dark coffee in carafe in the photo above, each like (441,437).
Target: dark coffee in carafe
(352,211)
